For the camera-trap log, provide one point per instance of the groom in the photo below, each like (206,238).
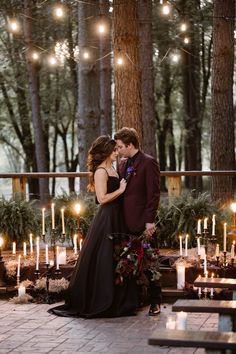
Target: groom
(142,194)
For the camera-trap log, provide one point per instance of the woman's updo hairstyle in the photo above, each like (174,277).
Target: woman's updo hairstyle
(101,148)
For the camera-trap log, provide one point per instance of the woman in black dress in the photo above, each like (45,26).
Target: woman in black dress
(92,291)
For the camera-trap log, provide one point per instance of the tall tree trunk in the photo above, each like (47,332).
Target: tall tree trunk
(147,77)
(33,77)
(88,87)
(191,96)
(105,73)
(222,125)
(128,108)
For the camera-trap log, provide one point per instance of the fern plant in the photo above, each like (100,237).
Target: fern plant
(180,217)
(18,218)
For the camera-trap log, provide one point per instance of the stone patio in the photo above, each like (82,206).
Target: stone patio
(30,329)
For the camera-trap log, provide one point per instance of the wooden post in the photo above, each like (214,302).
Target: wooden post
(174,186)
(19,187)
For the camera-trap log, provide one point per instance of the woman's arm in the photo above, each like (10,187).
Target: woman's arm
(100,179)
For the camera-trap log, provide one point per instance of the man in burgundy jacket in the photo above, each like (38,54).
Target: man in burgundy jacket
(142,194)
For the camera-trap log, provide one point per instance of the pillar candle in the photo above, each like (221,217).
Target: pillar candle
(53,215)
(75,243)
(170,323)
(18,266)
(31,243)
(14,248)
(24,249)
(217,250)
(232,251)
(186,245)
(46,253)
(43,221)
(180,268)
(225,236)
(63,221)
(180,246)
(198,246)
(205,224)
(181,320)
(199,231)
(21,290)
(213,225)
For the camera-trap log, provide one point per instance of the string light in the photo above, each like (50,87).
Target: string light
(166,9)
(86,55)
(101,28)
(59,12)
(119,61)
(186,40)
(35,56)
(52,61)
(183,27)
(175,57)
(13,26)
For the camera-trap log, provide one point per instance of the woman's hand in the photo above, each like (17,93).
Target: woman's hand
(123,185)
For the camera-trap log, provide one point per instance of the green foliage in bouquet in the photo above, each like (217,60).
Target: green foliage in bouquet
(18,218)
(66,201)
(180,217)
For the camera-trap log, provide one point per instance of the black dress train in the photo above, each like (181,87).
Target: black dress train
(92,291)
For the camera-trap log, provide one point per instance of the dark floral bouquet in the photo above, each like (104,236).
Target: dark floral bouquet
(135,257)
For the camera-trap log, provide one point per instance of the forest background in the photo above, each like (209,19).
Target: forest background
(72,70)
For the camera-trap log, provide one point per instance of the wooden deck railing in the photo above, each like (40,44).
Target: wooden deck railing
(19,180)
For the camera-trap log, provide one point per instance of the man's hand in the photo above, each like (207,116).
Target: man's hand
(150,229)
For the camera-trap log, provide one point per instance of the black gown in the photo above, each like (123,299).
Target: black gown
(92,292)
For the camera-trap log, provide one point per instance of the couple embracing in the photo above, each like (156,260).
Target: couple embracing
(128,202)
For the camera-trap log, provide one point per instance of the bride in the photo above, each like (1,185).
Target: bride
(92,291)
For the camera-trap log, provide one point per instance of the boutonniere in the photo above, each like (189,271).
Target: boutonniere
(129,173)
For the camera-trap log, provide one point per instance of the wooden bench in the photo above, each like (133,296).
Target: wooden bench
(225,309)
(213,342)
(223,283)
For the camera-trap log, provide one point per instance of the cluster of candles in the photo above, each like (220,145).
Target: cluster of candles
(205,290)
(178,322)
(199,232)
(60,252)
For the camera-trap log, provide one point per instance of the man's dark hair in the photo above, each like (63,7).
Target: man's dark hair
(128,136)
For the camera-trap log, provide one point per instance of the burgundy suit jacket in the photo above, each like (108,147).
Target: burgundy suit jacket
(142,194)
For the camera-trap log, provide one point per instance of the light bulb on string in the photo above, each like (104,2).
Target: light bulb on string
(166,9)
(13,26)
(86,55)
(186,40)
(120,61)
(183,27)
(101,28)
(52,60)
(59,12)
(35,56)
(175,57)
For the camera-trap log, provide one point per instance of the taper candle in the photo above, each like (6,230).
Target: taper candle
(24,249)
(75,243)
(205,224)
(225,236)
(18,266)
(31,243)
(46,253)
(53,215)
(14,248)
(199,231)
(63,220)
(43,221)
(180,246)
(198,246)
(186,245)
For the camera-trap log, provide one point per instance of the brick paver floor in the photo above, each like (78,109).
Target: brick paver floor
(31,329)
